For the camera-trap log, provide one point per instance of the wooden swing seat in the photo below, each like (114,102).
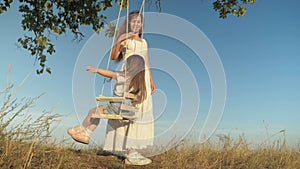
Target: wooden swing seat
(108,116)
(102,98)
(113,117)
(123,107)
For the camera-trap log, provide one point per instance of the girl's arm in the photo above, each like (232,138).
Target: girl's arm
(103,72)
(153,87)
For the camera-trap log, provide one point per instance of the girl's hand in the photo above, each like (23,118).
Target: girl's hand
(92,69)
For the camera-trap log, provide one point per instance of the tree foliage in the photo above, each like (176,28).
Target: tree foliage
(234,7)
(43,18)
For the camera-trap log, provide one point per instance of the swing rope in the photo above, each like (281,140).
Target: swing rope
(143,6)
(112,44)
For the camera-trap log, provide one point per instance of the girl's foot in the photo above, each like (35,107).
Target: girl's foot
(79,134)
(81,137)
(75,129)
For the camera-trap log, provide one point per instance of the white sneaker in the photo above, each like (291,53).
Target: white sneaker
(136,158)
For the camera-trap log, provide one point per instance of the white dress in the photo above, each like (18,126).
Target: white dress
(120,135)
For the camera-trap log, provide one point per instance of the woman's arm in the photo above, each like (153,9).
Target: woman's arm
(115,51)
(121,42)
(103,72)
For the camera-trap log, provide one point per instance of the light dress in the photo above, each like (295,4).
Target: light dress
(121,135)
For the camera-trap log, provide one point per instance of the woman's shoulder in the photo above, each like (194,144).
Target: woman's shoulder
(144,41)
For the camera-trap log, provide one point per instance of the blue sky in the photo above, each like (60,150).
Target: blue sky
(259,53)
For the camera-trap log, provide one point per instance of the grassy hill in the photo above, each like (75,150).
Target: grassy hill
(17,154)
(24,144)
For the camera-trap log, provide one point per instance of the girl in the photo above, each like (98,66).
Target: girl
(133,83)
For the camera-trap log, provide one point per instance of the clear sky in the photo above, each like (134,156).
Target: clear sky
(258,52)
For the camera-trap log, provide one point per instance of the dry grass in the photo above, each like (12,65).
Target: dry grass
(233,155)
(206,156)
(24,145)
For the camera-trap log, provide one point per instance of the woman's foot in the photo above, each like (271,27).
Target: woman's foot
(135,158)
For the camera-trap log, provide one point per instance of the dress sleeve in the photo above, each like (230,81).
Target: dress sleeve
(120,77)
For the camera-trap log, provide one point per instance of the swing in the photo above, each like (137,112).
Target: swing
(126,95)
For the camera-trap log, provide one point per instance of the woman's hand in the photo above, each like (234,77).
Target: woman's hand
(129,35)
(92,69)
(153,87)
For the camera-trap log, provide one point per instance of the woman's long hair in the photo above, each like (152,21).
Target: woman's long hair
(135,75)
(123,27)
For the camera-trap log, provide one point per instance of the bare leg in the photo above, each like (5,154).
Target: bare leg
(92,123)
(81,133)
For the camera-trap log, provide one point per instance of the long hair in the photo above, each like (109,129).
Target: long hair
(135,71)
(123,27)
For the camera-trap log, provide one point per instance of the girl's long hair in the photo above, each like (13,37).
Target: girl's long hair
(135,71)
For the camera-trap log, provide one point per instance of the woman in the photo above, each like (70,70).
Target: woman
(140,133)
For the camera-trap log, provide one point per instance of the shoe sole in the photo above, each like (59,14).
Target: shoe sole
(128,162)
(79,141)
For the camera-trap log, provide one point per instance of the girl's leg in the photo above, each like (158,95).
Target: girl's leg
(91,123)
